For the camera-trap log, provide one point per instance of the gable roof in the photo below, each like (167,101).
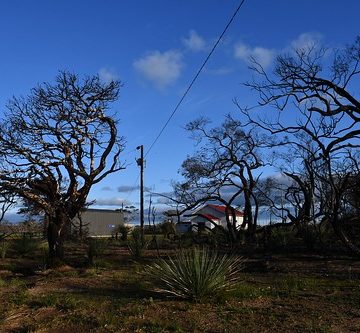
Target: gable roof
(222,209)
(209,216)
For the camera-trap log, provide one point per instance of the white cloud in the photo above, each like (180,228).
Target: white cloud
(128,188)
(194,42)
(111,202)
(106,75)
(261,55)
(306,40)
(162,69)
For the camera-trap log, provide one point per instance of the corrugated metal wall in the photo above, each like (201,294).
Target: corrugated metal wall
(100,222)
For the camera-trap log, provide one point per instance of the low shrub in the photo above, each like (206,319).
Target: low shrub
(45,257)
(197,274)
(186,239)
(25,246)
(168,229)
(96,249)
(4,246)
(2,283)
(61,302)
(121,232)
(281,237)
(137,245)
(245,291)
(19,297)
(289,284)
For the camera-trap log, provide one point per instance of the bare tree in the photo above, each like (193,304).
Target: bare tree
(223,169)
(7,200)
(56,144)
(317,112)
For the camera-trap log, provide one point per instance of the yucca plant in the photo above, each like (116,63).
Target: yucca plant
(197,274)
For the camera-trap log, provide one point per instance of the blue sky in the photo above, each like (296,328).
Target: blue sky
(154,48)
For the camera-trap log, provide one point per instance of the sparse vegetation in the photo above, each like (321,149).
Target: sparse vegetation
(281,238)
(137,244)
(123,230)
(299,166)
(25,245)
(4,246)
(96,249)
(297,295)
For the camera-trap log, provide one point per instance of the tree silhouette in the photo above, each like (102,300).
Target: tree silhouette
(316,116)
(58,142)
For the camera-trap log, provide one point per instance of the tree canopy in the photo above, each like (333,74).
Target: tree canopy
(56,143)
(314,96)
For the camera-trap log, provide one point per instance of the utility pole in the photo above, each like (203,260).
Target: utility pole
(140,163)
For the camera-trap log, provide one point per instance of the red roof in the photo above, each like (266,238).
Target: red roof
(209,216)
(222,209)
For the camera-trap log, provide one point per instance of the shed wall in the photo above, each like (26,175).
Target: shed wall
(100,222)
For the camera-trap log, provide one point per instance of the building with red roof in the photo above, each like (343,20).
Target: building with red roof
(211,215)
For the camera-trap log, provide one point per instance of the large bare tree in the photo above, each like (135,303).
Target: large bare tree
(57,143)
(317,114)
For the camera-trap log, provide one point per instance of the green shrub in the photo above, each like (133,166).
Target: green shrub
(197,273)
(168,229)
(186,239)
(45,257)
(290,284)
(67,302)
(137,245)
(4,246)
(281,237)
(19,297)
(16,282)
(25,246)
(220,236)
(2,283)
(61,302)
(96,249)
(310,235)
(123,230)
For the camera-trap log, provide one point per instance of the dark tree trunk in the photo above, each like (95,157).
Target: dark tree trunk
(338,224)
(345,237)
(231,225)
(56,234)
(248,215)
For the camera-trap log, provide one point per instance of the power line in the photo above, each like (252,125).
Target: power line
(187,90)
(196,76)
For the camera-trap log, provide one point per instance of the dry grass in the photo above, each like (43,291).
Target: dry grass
(303,294)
